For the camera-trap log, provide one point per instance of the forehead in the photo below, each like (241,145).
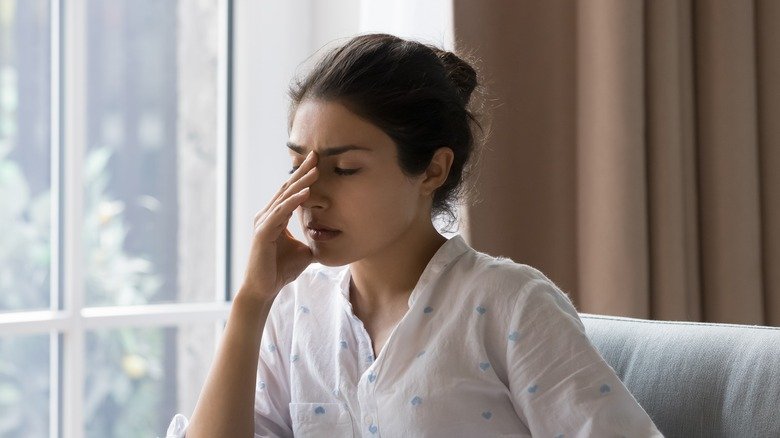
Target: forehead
(319,124)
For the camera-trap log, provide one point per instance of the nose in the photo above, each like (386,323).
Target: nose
(316,198)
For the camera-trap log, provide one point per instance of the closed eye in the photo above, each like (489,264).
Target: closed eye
(336,170)
(344,172)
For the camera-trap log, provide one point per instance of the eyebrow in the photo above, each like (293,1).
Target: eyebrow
(329,152)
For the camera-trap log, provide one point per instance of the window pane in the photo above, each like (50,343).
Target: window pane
(24,385)
(150,166)
(138,378)
(25,155)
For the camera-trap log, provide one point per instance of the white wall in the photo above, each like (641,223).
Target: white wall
(428,21)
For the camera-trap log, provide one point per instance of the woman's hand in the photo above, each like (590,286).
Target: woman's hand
(276,257)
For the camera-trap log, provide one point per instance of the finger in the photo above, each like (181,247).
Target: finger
(278,217)
(306,181)
(308,164)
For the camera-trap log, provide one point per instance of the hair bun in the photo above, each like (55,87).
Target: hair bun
(459,72)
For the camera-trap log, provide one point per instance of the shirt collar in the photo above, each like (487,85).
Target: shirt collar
(444,256)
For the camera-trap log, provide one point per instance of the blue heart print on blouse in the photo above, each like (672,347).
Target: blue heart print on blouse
(294,358)
(605,388)
(260,385)
(487,415)
(560,435)
(428,309)
(416,401)
(304,309)
(484,366)
(271,348)
(533,389)
(481,310)
(319,410)
(371,377)
(514,336)
(343,344)
(420,353)
(373,428)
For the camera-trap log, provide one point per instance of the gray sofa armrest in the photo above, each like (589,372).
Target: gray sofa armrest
(696,379)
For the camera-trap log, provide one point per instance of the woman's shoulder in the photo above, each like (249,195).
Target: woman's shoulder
(504,271)
(503,277)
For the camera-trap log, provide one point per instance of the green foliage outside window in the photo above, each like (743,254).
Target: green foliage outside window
(123,367)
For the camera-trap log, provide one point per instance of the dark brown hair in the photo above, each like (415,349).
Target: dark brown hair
(416,93)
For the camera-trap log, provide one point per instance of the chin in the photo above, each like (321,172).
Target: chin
(328,258)
(330,261)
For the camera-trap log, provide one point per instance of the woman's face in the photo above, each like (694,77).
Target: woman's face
(360,191)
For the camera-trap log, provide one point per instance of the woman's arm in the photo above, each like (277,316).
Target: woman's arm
(560,384)
(225,407)
(226,403)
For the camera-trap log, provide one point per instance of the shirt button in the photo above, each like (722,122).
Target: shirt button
(368,419)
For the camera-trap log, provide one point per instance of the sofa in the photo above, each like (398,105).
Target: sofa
(696,379)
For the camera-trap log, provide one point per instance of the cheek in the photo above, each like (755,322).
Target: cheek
(384,204)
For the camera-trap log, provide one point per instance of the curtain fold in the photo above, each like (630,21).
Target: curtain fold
(635,151)
(671,154)
(768,64)
(611,180)
(728,161)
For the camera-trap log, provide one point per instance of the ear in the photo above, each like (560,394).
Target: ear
(437,171)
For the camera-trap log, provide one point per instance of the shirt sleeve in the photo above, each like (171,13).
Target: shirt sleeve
(177,427)
(560,384)
(272,389)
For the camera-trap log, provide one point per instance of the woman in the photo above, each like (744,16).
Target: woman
(395,331)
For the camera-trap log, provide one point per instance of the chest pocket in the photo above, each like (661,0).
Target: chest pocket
(320,420)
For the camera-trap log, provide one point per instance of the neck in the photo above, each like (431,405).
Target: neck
(390,275)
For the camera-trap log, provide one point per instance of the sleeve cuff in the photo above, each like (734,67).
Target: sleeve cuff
(177,427)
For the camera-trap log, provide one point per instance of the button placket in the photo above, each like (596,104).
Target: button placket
(367,383)
(367,402)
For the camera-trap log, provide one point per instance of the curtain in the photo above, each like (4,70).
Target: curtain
(634,151)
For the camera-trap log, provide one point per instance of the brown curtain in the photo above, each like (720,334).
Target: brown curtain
(635,151)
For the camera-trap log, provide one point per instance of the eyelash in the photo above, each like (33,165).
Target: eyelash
(337,170)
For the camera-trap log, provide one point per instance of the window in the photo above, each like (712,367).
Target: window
(137,140)
(114,170)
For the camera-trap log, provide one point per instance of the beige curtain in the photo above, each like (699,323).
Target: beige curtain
(635,151)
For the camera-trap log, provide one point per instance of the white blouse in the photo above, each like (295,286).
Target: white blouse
(488,347)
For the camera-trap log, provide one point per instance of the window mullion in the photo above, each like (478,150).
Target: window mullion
(55,264)
(74,119)
(224,148)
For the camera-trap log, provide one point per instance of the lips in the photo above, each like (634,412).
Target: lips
(319,226)
(321,232)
